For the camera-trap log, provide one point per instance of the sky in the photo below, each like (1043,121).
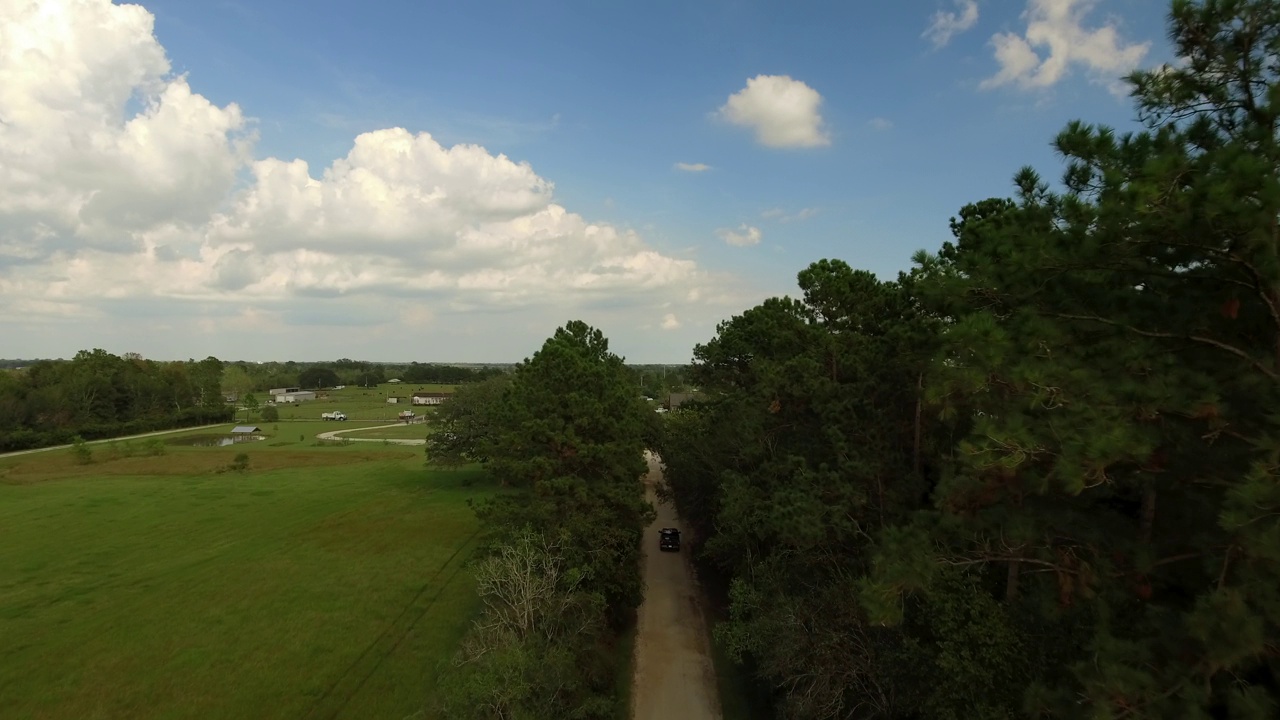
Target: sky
(452,181)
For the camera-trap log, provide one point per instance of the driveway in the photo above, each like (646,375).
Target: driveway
(675,677)
(337,435)
(116,439)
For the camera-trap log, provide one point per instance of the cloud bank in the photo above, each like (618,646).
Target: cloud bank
(120,204)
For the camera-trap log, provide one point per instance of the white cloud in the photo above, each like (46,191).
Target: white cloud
(693,167)
(879,123)
(669,322)
(131,220)
(782,111)
(944,25)
(1058,27)
(746,235)
(781,215)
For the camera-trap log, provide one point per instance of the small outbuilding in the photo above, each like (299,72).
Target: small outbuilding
(431,398)
(245,430)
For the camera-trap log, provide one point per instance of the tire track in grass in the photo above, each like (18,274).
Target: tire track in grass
(392,632)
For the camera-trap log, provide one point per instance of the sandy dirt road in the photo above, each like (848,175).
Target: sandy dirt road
(16,453)
(337,435)
(675,678)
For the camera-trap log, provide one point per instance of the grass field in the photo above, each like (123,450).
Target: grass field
(323,582)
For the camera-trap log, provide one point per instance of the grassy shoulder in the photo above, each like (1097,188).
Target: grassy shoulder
(328,580)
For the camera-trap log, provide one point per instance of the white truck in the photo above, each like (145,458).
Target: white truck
(335,415)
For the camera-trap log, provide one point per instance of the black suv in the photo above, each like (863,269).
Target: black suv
(669,539)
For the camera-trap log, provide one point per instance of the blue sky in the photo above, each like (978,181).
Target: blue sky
(856,132)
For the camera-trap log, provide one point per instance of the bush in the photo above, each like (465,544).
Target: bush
(81,450)
(240,464)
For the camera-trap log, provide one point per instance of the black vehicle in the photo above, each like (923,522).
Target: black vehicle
(669,539)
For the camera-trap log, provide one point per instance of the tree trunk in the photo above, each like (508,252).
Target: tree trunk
(1148,518)
(1011,584)
(915,447)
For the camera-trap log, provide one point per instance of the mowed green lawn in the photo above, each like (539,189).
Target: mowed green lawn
(324,582)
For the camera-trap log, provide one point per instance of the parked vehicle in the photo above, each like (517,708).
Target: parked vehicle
(669,540)
(335,415)
(407,416)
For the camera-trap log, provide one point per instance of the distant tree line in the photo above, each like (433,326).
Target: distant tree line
(100,395)
(244,377)
(1039,474)
(559,577)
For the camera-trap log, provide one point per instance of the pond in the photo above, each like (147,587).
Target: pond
(215,440)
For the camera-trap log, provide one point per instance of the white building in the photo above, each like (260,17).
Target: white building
(295,396)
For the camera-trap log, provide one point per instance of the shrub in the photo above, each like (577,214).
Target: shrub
(83,453)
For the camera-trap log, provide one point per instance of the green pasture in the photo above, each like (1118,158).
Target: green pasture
(321,582)
(359,403)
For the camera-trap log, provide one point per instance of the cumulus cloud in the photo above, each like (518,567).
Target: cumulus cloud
(693,167)
(1058,26)
(744,236)
(74,170)
(118,190)
(783,112)
(944,25)
(879,123)
(670,322)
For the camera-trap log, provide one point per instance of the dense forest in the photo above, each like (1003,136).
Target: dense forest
(559,577)
(99,395)
(1038,475)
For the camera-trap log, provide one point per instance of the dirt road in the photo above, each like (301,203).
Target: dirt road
(675,677)
(336,435)
(16,453)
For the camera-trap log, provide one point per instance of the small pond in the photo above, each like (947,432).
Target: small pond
(215,440)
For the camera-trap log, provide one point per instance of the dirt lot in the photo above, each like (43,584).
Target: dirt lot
(675,677)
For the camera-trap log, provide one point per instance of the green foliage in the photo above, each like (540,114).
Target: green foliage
(240,463)
(567,431)
(317,377)
(81,451)
(98,395)
(523,658)
(466,427)
(270,414)
(1045,461)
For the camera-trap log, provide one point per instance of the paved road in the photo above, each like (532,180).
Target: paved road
(335,435)
(675,677)
(117,439)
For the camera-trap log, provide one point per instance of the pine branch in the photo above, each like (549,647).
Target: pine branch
(1174,336)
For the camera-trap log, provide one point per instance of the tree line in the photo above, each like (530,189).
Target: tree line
(559,575)
(98,395)
(1038,475)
